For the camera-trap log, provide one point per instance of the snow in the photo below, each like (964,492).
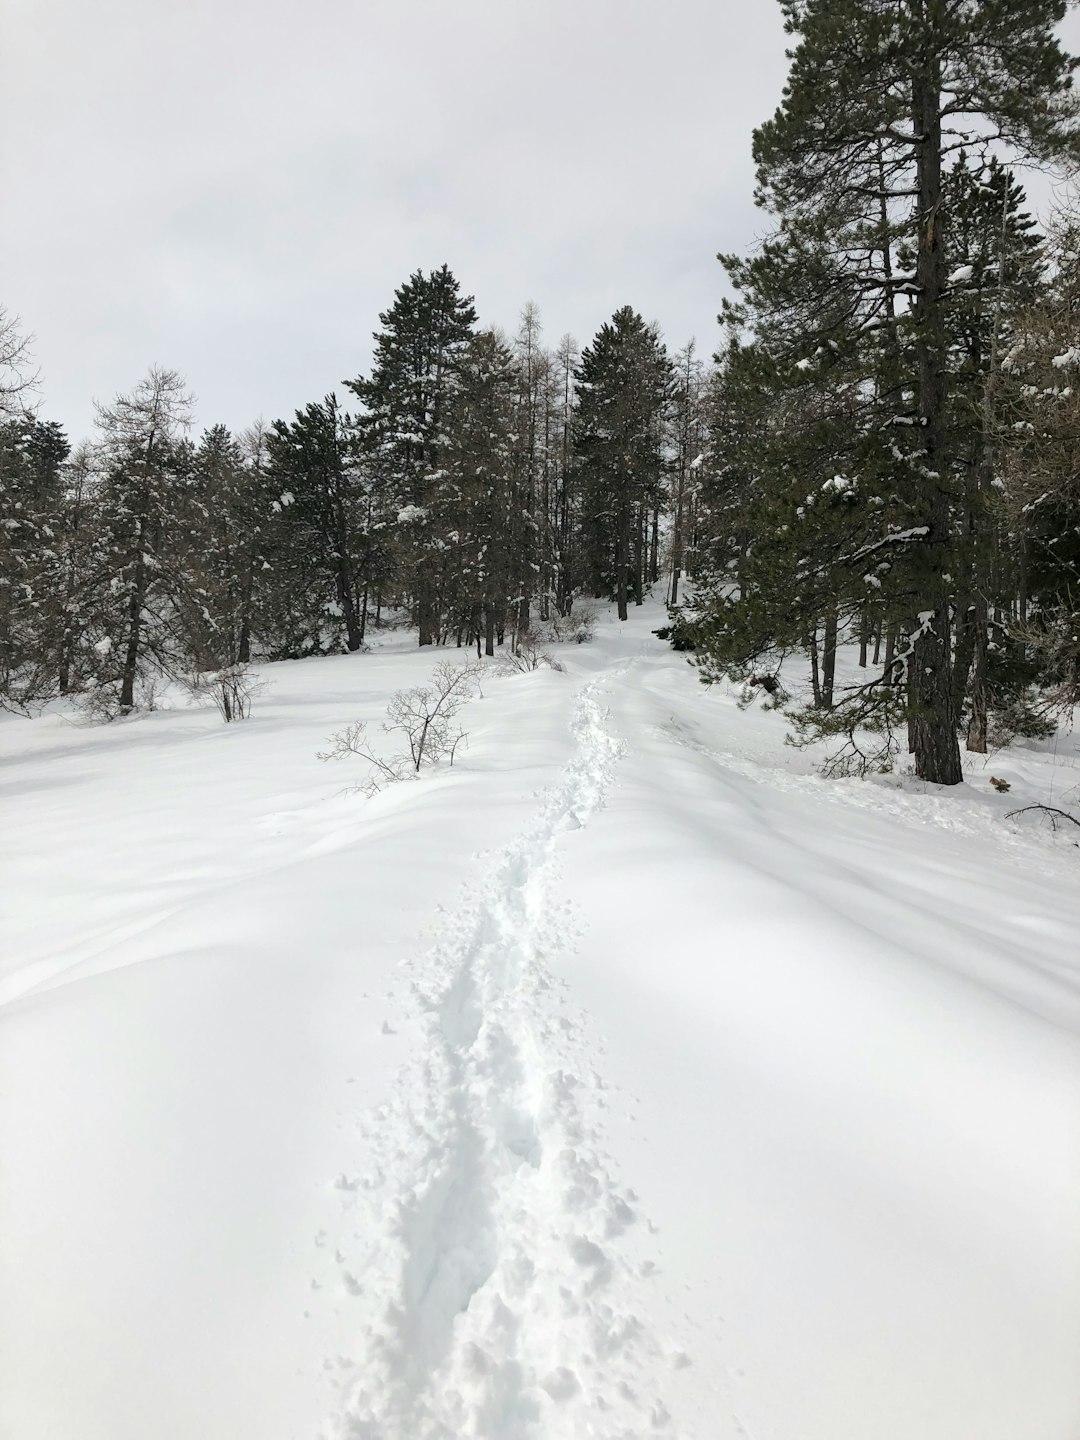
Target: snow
(626,1079)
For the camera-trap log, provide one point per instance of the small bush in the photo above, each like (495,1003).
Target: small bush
(231,689)
(425,718)
(528,655)
(578,624)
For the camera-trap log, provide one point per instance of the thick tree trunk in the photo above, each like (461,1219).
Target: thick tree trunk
(828,676)
(622,560)
(354,636)
(426,615)
(933,716)
(489,629)
(815,668)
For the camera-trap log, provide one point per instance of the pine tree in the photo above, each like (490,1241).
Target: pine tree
(1038,473)
(624,385)
(482,459)
(227,507)
(565,519)
(405,401)
(319,541)
(855,167)
(32,456)
(145,465)
(996,273)
(689,441)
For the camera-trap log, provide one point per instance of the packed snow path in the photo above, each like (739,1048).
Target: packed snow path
(505,1301)
(627,1079)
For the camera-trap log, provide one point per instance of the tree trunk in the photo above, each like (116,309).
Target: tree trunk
(933,715)
(963,654)
(347,600)
(136,601)
(828,679)
(489,629)
(980,696)
(622,560)
(815,668)
(892,634)
(676,538)
(426,616)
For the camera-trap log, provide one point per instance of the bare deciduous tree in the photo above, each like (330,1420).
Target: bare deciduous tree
(17,380)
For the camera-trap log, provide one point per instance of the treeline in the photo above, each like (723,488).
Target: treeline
(885,452)
(895,453)
(473,486)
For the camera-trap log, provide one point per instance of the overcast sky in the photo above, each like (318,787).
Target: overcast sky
(234,188)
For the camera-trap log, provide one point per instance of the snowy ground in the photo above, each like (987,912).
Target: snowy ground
(626,1080)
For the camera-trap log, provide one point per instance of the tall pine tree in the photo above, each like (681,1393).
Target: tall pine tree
(855,166)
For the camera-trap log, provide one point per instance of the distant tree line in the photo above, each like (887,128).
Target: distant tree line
(474,488)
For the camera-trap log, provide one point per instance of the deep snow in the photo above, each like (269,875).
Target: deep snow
(626,1079)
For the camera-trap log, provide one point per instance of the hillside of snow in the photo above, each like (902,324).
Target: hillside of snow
(626,1079)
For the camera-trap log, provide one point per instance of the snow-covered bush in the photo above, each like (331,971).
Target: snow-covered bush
(578,624)
(527,655)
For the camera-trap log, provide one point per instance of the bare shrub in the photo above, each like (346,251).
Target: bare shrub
(232,689)
(527,655)
(98,704)
(425,720)
(578,624)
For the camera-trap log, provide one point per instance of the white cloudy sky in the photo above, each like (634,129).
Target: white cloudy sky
(235,187)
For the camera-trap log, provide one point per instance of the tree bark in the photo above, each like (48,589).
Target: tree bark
(828,676)
(933,716)
(980,690)
(815,668)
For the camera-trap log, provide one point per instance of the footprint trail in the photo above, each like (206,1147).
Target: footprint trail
(504,1271)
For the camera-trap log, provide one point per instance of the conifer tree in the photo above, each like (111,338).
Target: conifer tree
(564,522)
(401,426)
(688,446)
(624,385)
(32,456)
(854,287)
(1037,480)
(318,531)
(227,510)
(483,467)
(145,465)
(996,273)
